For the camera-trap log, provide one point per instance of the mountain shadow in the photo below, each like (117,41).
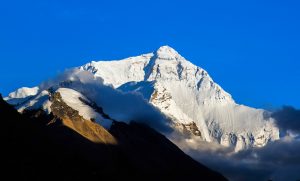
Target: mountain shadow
(34,149)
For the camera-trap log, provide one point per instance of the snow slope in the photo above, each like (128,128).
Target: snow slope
(74,99)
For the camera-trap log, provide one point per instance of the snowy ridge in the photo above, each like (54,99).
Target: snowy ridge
(71,97)
(39,101)
(77,101)
(117,73)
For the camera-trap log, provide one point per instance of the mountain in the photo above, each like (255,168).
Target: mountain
(191,101)
(187,94)
(64,145)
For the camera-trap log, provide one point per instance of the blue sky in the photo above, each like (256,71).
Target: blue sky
(251,48)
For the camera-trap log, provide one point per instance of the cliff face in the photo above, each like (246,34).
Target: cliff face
(65,146)
(71,118)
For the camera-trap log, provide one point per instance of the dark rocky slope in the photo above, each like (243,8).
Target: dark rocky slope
(33,149)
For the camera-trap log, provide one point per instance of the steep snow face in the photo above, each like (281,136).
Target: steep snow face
(187,94)
(117,73)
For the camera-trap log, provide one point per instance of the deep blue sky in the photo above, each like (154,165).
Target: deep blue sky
(251,48)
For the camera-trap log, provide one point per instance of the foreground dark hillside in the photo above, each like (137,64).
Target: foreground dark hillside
(33,149)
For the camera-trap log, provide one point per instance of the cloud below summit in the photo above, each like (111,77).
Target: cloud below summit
(120,106)
(288,119)
(278,160)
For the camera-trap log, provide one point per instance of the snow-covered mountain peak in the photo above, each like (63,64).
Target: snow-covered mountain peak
(187,94)
(182,91)
(166,49)
(167,53)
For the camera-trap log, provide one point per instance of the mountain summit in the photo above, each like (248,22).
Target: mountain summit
(167,53)
(185,93)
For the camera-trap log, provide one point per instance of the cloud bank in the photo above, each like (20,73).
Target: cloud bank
(278,160)
(125,107)
(288,119)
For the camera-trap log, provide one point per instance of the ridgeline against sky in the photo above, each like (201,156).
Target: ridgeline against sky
(250,48)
